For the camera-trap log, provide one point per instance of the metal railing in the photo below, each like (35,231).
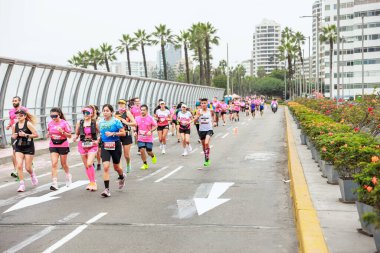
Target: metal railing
(43,86)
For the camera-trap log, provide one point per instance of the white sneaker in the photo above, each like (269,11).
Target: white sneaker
(69,180)
(160,146)
(189,149)
(163,151)
(185,152)
(54,186)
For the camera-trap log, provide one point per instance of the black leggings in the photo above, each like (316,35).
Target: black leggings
(114,154)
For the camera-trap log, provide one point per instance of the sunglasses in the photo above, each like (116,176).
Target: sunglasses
(20,115)
(53,116)
(86,113)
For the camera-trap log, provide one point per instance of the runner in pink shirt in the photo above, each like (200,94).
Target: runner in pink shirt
(223,108)
(16,102)
(146,125)
(59,131)
(217,110)
(236,109)
(163,117)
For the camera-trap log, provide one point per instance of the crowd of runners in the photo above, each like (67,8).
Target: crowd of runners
(107,134)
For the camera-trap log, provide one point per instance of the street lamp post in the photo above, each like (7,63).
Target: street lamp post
(317,56)
(309,67)
(228,74)
(362,55)
(338,52)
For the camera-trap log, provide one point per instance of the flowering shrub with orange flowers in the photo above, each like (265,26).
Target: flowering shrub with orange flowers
(363,116)
(369,190)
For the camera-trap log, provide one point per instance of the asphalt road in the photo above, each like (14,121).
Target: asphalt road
(238,204)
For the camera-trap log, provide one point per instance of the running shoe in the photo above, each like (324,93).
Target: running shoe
(69,180)
(14,174)
(154,159)
(34,179)
(144,167)
(94,187)
(129,168)
(54,186)
(89,186)
(207,163)
(179,141)
(163,151)
(21,188)
(161,146)
(189,149)
(106,193)
(98,167)
(185,152)
(122,181)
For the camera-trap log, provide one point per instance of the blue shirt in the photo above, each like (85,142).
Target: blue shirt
(113,125)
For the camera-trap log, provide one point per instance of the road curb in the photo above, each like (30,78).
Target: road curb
(309,231)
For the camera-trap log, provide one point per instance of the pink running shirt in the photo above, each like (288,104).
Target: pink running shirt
(144,125)
(56,135)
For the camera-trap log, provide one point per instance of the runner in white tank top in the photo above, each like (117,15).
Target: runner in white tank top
(205,118)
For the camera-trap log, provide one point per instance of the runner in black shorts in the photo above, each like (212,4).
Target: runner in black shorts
(126,117)
(185,118)
(110,131)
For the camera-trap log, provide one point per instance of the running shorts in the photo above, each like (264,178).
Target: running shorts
(114,154)
(60,150)
(146,145)
(126,140)
(161,128)
(203,134)
(184,131)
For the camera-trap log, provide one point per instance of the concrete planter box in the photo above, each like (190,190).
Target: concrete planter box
(317,156)
(367,229)
(323,168)
(313,151)
(303,139)
(376,237)
(332,174)
(308,143)
(347,189)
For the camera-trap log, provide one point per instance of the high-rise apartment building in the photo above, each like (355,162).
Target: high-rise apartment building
(266,40)
(351,13)
(318,23)
(137,68)
(172,54)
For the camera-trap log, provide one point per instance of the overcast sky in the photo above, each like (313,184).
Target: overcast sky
(51,31)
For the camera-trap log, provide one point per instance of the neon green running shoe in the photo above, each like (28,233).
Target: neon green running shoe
(144,167)
(206,164)
(154,159)
(129,168)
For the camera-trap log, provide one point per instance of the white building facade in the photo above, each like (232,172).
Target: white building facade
(351,12)
(266,40)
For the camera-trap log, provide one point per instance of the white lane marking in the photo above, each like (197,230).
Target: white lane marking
(39,235)
(73,234)
(204,205)
(19,196)
(194,150)
(210,148)
(38,176)
(31,201)
(224,136)
(152,174)
(169,174)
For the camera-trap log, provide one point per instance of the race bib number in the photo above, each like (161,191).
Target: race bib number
(109,145)
(142,133)
(87,144)
(56,137)
(162,119)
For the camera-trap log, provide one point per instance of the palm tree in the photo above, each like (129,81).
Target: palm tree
(197,44)
(143,39)
(127,44)
(95,58)
(210,38)
(81,59)
(288,51)
(300,41)
(329,35)
(163,36)
(184,39)
(108,54)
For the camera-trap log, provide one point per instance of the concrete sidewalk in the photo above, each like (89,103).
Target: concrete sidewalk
(339,221)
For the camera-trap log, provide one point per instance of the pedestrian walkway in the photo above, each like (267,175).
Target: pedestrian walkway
(339,221)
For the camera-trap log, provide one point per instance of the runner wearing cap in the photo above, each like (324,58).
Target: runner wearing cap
(87,130)
(205,117)
(126,117)
(185,118)
(196,121)
(23,132)
(16,102)
(163,117)
(145,128)
(96,117)
(174,119)
(224,108)
(217,108)
(59,131)
(111,129)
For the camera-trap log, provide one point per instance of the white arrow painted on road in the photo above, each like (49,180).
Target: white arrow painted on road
(31,201)
(204,205)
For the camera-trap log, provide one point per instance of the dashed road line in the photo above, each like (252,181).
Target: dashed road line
(169,174)
(153,174)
